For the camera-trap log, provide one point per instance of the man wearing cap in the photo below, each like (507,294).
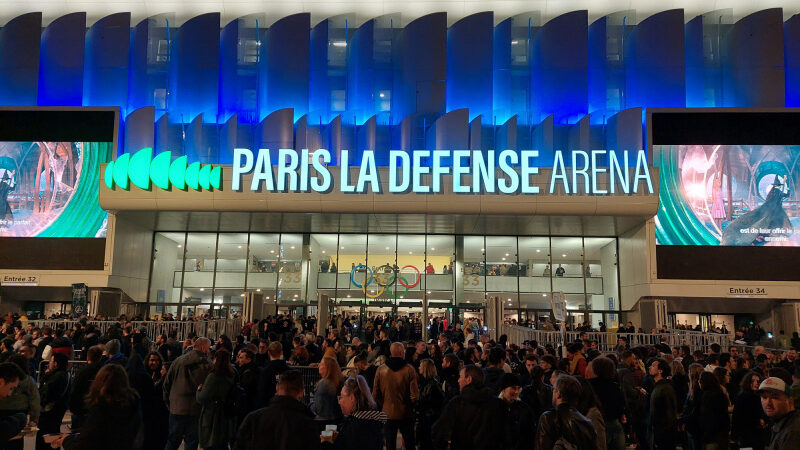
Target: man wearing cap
(520,429)
(779,408)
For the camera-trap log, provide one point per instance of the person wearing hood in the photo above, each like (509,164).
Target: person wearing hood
(362,427)
(520,430)
(474,409)
(396,390)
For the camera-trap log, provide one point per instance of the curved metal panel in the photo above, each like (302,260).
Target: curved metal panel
(201,141)
(284,82)
(469,64)
(19,60)
(169,136)
(194,75)
(791,43)
(655,69)
(624,131)
(240,54)
(450,131)
(419,87)
(150,52)
(61,61)
(105,77)
(608,37)
(559,68)
(753,61)
(328,66)
(139,130)
(276,130)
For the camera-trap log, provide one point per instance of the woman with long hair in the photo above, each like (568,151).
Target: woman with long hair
(114,418)
(691,408)
(430,403)
(217,426)
(680,381)
(324,405)
(362,426)
(589,406)
(749,423)
(714,421)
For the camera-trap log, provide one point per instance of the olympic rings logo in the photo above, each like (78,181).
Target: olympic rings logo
(396,277)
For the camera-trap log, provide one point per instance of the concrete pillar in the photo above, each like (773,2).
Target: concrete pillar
(322,313)
(425,317)
(253,307)
(494,316)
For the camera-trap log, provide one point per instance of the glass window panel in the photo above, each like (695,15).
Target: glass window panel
(290,279)
(413,266)
(262,266)
(159,311)
(198,278)
(228,296)
(534,264)
(474,266)
(324,265)
(501,264)
(352,267)
(439,285)
(601,273)
(231,261)
(567,257)
(382,258)
(165,282)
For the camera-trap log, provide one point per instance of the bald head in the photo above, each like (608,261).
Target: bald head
(202,345)
(397,350)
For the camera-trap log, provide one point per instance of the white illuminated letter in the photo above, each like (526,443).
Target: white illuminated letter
(528,170)
(438,170)
(263,171)
(319,158)
(615,169)
(287,170)
(595,171)
(368,172)
(459,170)
(304,162)
(512,184)
(583,171)
(642,172)
(344,173)
(558,166)
(394,187)
(240,168)
(483,171)
(419,170)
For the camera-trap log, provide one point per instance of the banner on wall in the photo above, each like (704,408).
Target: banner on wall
(80,294)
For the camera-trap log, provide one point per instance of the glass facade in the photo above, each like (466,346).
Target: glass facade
(198,273)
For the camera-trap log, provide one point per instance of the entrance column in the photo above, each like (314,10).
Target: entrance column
(322,313)
(424,318)
(494,317)
(458,272)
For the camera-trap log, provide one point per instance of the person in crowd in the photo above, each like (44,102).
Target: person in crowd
(749,422)
(11,423)
(602,376)
(114,419)
(184,376)
(430,403)
(248,377)
(474,409)
(494,370)
(81,384)
(396,389)
(54,395)
(663,406)
(286,421)
(680,382)
(538,394)
(362,426)
(690,416)
(325,405)
(714,421)
(217,424)
(565,425)
(23,399)
(778,406)
(589,406)
(577,363)
(520,432)
(271,370)
(451,366)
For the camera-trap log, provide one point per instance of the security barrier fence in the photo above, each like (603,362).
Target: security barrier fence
(211,329)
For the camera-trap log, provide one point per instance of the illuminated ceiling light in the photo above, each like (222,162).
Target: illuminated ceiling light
(202,289)
(544,295)
(272,251)
(292,247)
(564,255)
(381,95)
(179,246)
(433,248)
(483,249)
(410,253)
(506,254)
(348,296)
(323,252)
(295,295)
(503,259)
(339,44)
(514,42)
(258,290)
(509,299)
(242,294)
(342,247)
(537,250)
(429,292)
(240,246)
(467,301)
(387,248)
(267,298)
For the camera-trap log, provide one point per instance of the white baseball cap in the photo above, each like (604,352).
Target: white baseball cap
(774,384)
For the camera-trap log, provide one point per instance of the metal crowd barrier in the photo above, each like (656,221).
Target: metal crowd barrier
(211,329)
(607,341)
(310,379)
(73,368)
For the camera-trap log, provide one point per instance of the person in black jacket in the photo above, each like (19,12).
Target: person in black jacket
(114,417)
(54,395)
(520,422)
(714,422)
(472,419)
(602,374)
(565,423)
(538,395)
(362,427)
(451,366)
(429,404)
(10,425)
(749,422)
(249,378)
(272,369)
(285,424)
(81,383)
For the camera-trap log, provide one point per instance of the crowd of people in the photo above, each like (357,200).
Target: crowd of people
(385,389)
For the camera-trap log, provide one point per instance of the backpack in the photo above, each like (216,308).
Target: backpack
(236,402)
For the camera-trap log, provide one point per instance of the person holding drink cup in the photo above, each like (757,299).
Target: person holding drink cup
(362,427)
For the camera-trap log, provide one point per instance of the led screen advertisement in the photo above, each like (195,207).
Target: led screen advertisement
(728,195)
(47,189)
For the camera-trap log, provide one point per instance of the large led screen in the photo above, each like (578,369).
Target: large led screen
(728,195)
(49,189)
